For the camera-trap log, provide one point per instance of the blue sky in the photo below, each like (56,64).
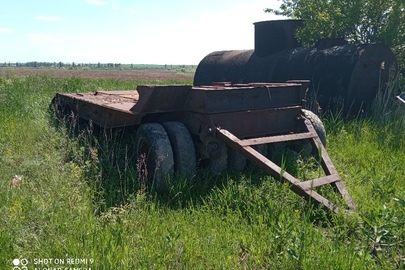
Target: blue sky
(124,31)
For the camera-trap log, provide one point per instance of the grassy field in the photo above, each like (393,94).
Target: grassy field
(79,202)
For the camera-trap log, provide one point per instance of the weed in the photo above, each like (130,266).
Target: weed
(81,197)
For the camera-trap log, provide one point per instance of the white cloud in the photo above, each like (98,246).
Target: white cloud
(131,10)
(48,19)
(187,41)
(150,41)
(95,2)
(6,30)
(40,38)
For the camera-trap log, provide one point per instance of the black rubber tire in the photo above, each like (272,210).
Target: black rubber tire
(276,150)
(154,155)
(318,125)
(261,148)
(184,155)
(236,161)
(218,165)
(305,148)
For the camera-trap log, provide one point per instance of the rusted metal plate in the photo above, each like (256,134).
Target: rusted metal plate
(123,93)
(231,104)
(248,124)
(108,117)
(161,98)
(242,97)
(109,110)
(118,100)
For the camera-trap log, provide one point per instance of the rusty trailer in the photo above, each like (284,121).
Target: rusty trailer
(222,124)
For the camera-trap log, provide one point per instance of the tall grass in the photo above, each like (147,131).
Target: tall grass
(80,198)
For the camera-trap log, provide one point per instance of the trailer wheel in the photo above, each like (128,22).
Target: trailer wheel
(276,150)
(215,156)
(261,149)
(318,125)
(183,148)
(219,165)
(236,161)
(154,155)
(305,148)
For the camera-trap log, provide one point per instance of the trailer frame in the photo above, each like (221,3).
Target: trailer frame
(221,116)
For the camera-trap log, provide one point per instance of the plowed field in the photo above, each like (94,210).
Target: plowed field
(126,75)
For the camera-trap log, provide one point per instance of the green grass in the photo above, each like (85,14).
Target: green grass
(80,198)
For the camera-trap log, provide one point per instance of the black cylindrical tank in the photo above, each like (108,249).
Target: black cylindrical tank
(275,36)
(343,76)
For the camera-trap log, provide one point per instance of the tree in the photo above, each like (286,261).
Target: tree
(360,21)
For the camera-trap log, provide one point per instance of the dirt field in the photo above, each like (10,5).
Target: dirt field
(126,75)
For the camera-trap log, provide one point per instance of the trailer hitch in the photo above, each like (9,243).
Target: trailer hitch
(304,189)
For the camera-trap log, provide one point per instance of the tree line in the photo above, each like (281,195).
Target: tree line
(36,64)
(73,65)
